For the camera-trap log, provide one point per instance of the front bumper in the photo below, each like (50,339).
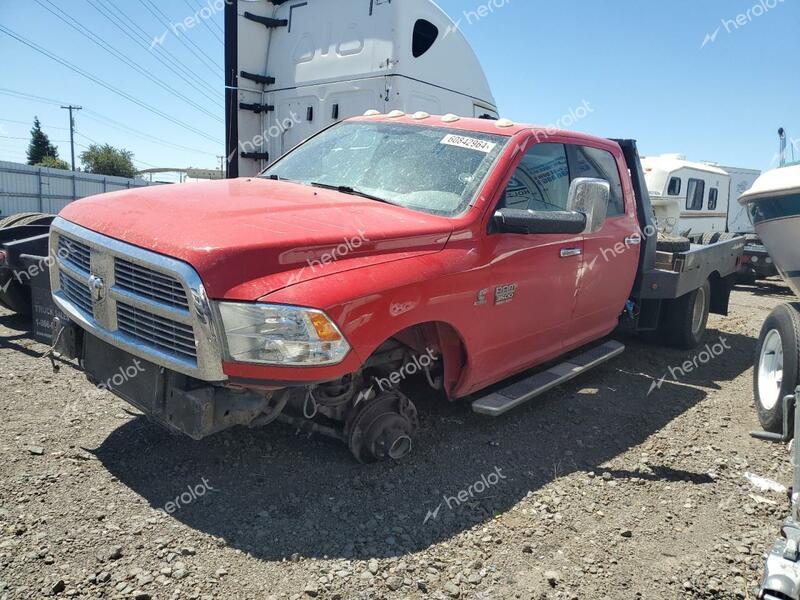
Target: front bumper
(175,401)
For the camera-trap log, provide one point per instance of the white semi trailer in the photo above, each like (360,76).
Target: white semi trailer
(295,68)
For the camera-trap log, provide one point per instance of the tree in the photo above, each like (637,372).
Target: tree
(54,163)
(107,160)
(40,145)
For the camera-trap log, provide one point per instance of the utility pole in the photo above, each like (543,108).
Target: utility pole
(221,166)
(72,130)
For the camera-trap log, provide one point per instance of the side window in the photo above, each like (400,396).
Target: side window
(674,188)
(425,34)
(713,196)
(695,191)
(599,164)
(541,181)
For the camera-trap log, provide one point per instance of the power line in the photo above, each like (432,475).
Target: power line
(67,19)
(205,22)
(108,122)
(213,22)
(27,123)
(182,39)
(103,119)
(104,84)
(169,60)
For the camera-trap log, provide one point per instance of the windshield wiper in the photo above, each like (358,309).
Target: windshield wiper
(346,189)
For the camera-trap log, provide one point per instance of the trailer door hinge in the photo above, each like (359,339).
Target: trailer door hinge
(266,80)
(255,155)
(257,108)
(266,21)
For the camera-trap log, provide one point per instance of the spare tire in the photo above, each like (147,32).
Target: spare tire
(668,243)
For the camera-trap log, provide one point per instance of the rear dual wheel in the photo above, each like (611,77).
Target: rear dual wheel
(686,318)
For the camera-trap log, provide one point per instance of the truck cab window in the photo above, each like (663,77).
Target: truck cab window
(599,164)
(674,188)
(695,192)
(425,34)
(713,196)
(541,181)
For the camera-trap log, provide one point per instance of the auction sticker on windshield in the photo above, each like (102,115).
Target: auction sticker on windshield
(470,143)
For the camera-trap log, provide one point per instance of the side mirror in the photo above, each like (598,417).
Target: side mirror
(590,197)
(514,220)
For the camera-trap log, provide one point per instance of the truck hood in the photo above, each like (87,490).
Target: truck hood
(250,236)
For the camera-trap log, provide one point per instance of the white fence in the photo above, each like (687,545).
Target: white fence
(24,188)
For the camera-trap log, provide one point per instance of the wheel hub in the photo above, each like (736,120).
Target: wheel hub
(770,370)
(382,428)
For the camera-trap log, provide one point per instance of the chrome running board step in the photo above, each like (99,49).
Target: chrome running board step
(502,401)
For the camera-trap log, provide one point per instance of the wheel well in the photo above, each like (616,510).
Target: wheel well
(445,340)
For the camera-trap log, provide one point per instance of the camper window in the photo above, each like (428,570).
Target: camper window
(674,188)
(695,192)
(713,195)
(425,34)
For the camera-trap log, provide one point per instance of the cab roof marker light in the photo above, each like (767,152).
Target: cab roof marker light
(450,118)
(419,115)
(372,113)
(504,123)
(395,114)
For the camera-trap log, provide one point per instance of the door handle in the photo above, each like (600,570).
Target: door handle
(633,240)
(567,252)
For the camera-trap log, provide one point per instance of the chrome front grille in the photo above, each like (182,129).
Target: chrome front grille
(159,332)
(150,284)
(150,305)
(77,292)
(75,252)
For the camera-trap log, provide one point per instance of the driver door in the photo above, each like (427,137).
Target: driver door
(534,277)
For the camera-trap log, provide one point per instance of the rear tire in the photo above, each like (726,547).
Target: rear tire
(777,364)
(686,318)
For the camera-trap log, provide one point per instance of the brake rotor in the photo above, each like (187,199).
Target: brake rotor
(382,428)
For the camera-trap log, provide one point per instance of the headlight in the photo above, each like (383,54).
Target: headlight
(281,335)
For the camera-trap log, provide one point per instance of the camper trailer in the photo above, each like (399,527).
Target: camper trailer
(701,200)
(697,198)
(293,69)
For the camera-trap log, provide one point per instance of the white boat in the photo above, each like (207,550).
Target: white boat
(774,205)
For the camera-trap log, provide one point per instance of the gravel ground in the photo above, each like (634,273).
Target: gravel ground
(597,490)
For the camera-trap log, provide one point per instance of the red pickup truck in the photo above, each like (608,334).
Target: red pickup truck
(462,251)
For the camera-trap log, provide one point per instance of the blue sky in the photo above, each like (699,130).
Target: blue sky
(637,64)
